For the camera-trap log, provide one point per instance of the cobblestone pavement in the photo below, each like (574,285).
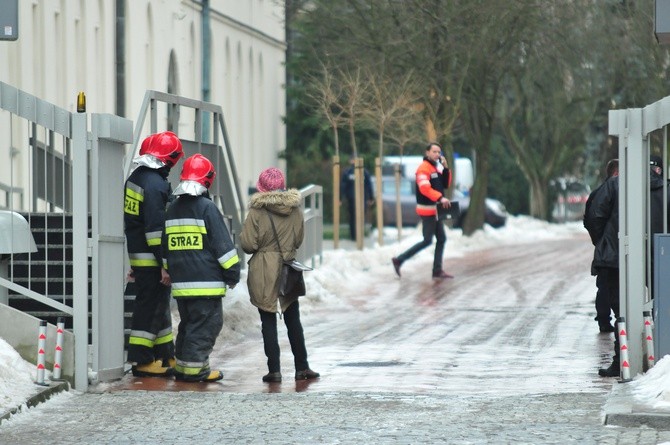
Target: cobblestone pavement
(138,417)
(491,357)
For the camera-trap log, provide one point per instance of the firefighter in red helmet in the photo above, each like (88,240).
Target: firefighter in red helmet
(147,191)
(199,253)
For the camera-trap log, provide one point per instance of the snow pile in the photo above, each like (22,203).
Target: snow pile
(652,389)
(16,378)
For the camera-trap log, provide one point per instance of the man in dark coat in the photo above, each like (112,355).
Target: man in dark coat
(656,197)
(602,222)
(603,310)
(601,219)
(348,192)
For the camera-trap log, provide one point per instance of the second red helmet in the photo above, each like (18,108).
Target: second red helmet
(199,169)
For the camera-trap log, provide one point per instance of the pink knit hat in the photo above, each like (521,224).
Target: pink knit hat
(271,179)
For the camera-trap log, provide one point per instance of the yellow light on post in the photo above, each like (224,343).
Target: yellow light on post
(81,102)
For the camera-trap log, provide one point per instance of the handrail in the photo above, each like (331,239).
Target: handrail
(312,206)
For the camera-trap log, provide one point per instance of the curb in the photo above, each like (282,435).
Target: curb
(42,396)
(621,410)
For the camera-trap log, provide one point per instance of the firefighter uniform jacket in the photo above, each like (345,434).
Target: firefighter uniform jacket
(146,196)
(199,252)
(431,181)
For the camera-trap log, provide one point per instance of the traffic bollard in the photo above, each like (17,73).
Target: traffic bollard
(649,340)
(58,354)
(623,348)
(41,343)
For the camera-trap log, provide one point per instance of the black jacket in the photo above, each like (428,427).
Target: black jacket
(347,185)
(601,220)
(198,251)
(146,195)
(656,197)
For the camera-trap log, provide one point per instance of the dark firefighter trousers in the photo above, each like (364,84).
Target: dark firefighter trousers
(151,321)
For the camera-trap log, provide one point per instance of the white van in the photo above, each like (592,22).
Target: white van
(464,175)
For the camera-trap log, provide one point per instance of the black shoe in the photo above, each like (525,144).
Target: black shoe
(613,371)
(607,328)
(396,265)
(441,274)
(271,377)
(306,374)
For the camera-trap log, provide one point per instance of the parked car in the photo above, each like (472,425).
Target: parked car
(496,214)
(571,196)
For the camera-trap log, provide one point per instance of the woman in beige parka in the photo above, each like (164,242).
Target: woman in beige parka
(258,239)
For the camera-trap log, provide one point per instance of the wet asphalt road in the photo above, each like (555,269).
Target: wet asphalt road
(507,352)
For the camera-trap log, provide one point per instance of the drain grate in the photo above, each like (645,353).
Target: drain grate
(370,364)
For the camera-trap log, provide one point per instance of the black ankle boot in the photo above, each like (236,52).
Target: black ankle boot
(613,371)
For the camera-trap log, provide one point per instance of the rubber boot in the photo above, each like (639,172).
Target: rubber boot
(153,369)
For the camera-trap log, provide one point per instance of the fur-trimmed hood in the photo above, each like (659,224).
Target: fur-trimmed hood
(278,201)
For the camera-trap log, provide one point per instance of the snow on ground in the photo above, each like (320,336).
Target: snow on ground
(340,273)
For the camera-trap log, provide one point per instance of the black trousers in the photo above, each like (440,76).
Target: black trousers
(200,325)
(351,205)
(603,311)
(431,228)
(610,281)
(151,325)
(295,336)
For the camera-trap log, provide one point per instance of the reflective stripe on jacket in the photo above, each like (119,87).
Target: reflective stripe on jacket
(198,251)
(430,185)
(146,196)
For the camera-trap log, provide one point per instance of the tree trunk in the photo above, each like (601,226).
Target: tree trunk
(538,198)
(474,219)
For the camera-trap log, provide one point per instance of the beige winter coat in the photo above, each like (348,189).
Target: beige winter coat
(257,238)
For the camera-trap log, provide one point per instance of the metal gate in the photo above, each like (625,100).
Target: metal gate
(641,132)
(56,173)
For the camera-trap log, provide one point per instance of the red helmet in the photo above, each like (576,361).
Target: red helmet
(165,146)
(199,169)
(146,143)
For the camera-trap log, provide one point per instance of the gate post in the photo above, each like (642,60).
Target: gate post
(109,135)
(80,252)
(633,187)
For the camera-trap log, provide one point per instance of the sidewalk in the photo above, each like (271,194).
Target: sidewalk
(42,394)
(618,407)
(621,410)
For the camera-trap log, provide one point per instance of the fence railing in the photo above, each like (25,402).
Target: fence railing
(312,205)
(53,168)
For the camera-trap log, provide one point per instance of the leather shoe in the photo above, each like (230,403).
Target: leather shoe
(306,374)
(396,265)
(441,274)
(613,371)
(271,377)
(607,328)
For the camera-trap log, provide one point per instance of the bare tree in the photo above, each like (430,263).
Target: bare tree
(389,102)
(327,96)
(355,91)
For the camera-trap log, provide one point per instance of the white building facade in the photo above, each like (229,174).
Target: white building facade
(116,50)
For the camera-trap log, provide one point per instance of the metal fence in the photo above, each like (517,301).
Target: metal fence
(312,205)
(52,176)
(640,132)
